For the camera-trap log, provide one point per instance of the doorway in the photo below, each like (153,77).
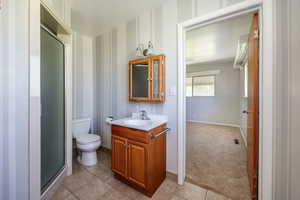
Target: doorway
(263,185)
(221,81)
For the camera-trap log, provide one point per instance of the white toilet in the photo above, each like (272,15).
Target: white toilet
(85,142)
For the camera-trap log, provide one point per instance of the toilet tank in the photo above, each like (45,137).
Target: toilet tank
(81,126)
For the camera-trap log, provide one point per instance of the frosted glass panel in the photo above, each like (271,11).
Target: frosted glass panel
(52,99)
(156,78)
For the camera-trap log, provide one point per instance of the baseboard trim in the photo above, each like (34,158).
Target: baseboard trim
(172,176)
(104,148)
(215,123)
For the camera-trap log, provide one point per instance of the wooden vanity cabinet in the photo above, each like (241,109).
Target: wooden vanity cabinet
(147,79)
(139,159)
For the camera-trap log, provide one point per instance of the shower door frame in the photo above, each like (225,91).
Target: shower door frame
(62,171)
(67,169)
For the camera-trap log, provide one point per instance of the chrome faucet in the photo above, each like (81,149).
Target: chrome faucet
(143,115)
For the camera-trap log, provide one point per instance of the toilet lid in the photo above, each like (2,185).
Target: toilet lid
(87,138)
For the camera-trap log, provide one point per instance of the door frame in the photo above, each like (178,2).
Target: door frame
(267,77)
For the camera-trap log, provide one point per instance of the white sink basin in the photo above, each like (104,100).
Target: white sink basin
(136,122)
(144,125)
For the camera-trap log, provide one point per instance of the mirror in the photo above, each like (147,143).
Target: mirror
(140,86)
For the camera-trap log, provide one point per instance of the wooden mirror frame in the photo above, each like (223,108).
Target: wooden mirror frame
(161,79)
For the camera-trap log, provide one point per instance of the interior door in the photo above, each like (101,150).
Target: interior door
(137,163)
(119,155)
(253,106)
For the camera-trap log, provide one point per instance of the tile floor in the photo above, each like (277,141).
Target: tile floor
(215,162)
(98,183)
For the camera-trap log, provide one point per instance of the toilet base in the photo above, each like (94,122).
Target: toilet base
(88,158)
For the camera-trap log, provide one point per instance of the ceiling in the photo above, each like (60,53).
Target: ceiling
(216,42)
(91,17)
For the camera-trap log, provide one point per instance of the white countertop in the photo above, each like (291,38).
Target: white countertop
(146,125)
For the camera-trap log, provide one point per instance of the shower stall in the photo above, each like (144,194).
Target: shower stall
(53,107)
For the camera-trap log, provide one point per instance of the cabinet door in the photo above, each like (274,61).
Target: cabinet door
(137,163)
(157,78)
(119,155)
(139,77)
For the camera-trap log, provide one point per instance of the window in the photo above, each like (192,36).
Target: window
(200,86)
(189,87)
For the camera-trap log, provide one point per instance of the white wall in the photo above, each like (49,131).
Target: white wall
(14,87)
(287,164)
(224,107)
(3,129)
(195,8)
(83,72)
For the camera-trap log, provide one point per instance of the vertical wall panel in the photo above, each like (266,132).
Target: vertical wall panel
(98,100)
(144,28)
(231,2)
(78,77)
(131,38)
(104,81)
(83,68)
(122,75)
(186,9)
(114,73)
(203,7)
(157,29)
(2,102)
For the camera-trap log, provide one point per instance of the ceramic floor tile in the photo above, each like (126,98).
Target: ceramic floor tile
(191,192)
(98,183)
(177,198)
(113,194)
(71,197)
(101,172)
(214,196)
(77,180)
(61,193)
(92,191)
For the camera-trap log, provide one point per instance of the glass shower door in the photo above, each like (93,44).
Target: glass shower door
(53,108)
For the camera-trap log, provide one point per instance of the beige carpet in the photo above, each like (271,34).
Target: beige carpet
(215,162)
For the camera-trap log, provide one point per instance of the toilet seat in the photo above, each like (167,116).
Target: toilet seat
(87,138)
